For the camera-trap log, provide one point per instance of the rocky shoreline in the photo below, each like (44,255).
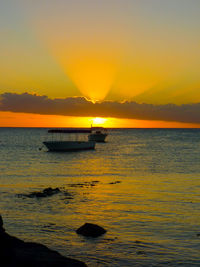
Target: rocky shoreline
(14,252)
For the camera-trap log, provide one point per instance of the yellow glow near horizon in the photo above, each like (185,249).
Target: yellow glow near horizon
(11,119)
(98,121)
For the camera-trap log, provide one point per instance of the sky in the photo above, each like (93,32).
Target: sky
(135,63)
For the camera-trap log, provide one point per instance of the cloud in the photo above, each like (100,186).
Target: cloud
(80,106)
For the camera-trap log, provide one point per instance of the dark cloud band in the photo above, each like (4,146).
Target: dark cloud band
(79,106)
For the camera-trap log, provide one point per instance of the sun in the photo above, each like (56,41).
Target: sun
(98,121)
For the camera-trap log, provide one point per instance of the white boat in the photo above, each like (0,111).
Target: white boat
(69,145)
(98,134)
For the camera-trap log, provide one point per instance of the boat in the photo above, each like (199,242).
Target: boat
(98,134)
(71,144)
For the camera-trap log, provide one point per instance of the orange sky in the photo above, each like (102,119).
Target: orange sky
(141,51)
(11,119)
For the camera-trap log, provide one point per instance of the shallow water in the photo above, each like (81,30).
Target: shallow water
(146,195)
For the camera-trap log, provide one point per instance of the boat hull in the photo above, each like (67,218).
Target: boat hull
(63,146)
(97,137)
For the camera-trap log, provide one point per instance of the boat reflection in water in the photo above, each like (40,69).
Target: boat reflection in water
(98,134)
(73,142)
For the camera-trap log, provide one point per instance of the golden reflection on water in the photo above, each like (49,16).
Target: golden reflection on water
(138,186)
(130,201)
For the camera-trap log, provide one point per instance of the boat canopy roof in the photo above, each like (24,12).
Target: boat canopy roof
(97,128)
(69,131)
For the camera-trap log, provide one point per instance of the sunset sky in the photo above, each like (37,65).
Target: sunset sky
(135,63)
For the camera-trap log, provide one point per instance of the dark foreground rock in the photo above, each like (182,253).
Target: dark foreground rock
(90,229)
(15,252)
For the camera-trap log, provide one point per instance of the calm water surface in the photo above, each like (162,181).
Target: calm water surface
(146,194)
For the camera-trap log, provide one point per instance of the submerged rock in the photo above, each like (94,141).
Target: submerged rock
(84,184)
(116,182)
(90,229)
(44,193)
(14,252)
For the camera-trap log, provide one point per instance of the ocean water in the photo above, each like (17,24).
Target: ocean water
(142,186)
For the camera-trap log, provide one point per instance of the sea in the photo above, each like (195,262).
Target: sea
(142,186)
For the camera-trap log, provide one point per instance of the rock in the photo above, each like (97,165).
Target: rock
(116,182)
(2,230)
(90,229)
(45,193)
(85,184)
(51,191)
(17,253)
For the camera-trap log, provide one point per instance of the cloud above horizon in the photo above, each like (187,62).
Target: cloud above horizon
(80,106)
